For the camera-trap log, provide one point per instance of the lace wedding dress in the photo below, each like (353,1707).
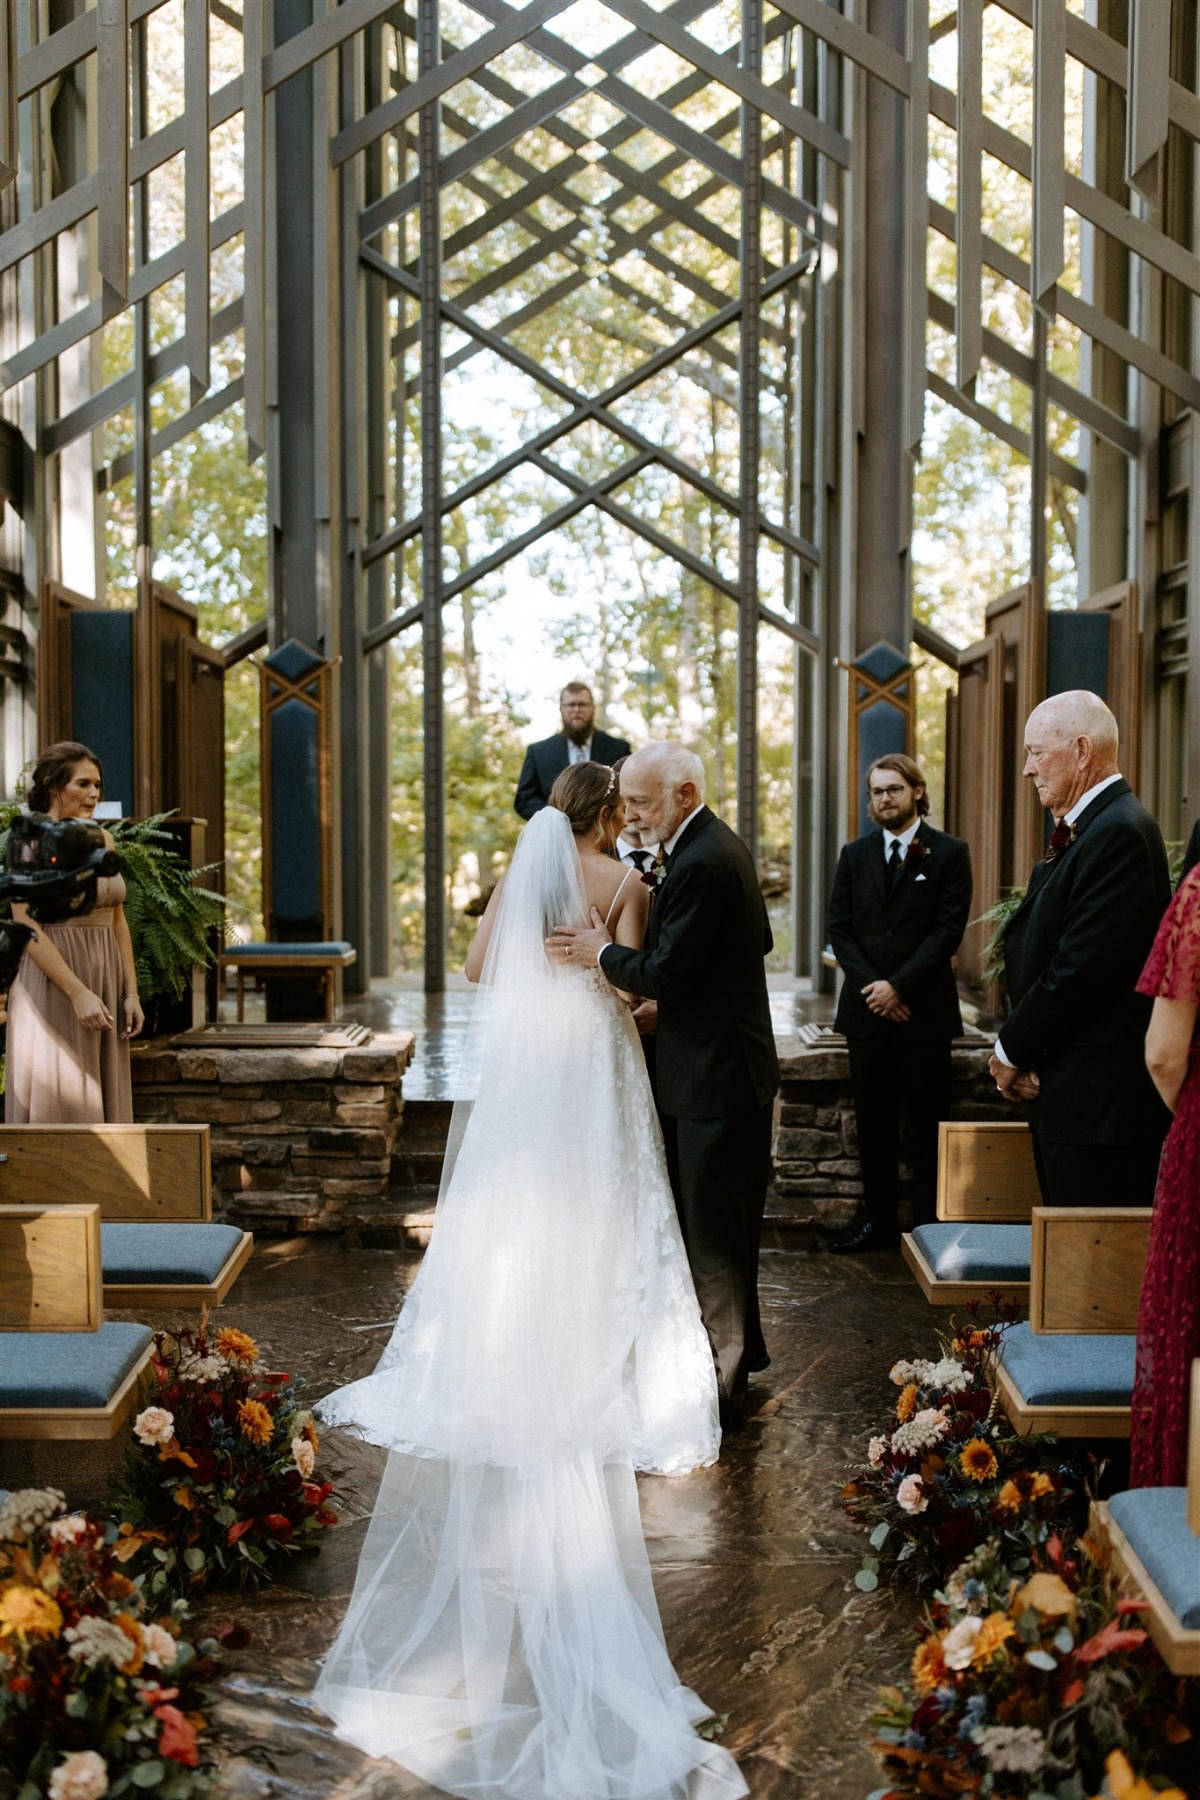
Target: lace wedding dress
(503,1637)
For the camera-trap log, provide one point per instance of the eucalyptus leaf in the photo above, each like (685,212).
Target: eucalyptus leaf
(147,1774)
(879,1534)
(910,1549)
(867,1580)
(1041,1659)
(1064,1640)
(76,1706)
(194,1557)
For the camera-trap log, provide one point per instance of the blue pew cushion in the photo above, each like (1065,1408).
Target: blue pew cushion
(155,1252)
(1155,1522)
(976,1252)
(1087,1369)
(335,948)
(68,1368)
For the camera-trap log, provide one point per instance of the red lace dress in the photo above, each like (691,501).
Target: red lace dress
(1169,1314)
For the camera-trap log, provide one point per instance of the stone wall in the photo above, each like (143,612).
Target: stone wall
(817,1174)
(302,1139)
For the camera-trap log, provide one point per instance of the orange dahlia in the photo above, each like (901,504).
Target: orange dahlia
(137,1643)
(996,1628)
(977,1460)
(28,1612)
(236,1345)
(1010,1497)
(255,1421)
(906,1405)
(1042,1485)
(929,1665)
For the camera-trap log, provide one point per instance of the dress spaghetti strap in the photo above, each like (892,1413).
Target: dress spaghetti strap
(608,915)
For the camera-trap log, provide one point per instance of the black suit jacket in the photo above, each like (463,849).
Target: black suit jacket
(1191,855)
(1073,952)
(546,760)
(907,934)
(703,963)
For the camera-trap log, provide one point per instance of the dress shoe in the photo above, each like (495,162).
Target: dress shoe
(868,1236)
(733,1415)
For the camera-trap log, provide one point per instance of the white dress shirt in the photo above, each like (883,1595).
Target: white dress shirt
(577,753)
(1068,818)
(903,838)
(626,853)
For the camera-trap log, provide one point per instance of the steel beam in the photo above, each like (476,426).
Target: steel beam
(432,657)
(749,419)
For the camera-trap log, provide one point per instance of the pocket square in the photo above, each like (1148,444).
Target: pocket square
(919,878)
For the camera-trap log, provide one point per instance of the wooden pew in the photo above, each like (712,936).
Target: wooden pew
(1070,1368)
(987,1188)
(153,1185)
(63,1372)
(1154,1534)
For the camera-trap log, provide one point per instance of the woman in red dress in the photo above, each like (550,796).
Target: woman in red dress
(1169,1314)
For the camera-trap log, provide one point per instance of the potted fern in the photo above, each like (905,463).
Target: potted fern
(172,920)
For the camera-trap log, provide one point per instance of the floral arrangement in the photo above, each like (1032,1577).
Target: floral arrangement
(1036,1686)
(220,1478)
(947,1472)
(99,1695)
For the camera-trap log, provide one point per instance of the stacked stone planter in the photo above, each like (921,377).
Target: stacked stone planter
(302,1139)
(818,1179)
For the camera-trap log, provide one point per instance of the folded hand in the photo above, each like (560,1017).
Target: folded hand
(1013,1084)
(885,1002)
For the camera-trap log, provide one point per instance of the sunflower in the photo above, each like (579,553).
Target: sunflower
(255,1421)
(992,1633)
(906,1405)
(28,1612)
(977,1460)
(236,1346)
(929,1665)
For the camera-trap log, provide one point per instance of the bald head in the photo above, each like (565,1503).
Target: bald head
(661,786)
(1070,745)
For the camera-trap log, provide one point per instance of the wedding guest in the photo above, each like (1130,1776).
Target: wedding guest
(1191,855)
(900,904)
(74,1005)
(578,741)
(1169,1314)
(1073,1041)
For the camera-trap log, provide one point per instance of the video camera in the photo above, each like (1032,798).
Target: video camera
(53,866)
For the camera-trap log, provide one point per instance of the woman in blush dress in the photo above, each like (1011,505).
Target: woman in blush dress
(74,1005)
(1169,1315)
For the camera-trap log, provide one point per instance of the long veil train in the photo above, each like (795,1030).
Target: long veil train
(503,1638)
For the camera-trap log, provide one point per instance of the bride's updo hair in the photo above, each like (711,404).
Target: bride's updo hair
(581,791)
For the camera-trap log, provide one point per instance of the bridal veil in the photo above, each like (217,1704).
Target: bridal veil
(503,1638)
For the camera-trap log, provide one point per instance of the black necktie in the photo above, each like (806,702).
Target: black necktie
(639,859)
(895,861)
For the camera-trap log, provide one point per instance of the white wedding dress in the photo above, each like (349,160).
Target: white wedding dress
(503,1638)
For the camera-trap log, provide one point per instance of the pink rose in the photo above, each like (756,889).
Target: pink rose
(911,1494)
(154,1426)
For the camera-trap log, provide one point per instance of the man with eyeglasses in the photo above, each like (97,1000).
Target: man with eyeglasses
(578,741)
(900,904)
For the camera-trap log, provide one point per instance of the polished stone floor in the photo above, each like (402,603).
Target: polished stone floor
(754,1560)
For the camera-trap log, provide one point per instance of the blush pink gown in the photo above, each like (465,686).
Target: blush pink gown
(1169,1314)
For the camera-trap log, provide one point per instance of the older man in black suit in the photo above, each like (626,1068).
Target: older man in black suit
(900,904)
(1191,855)
(1074,1041)
(578,741)
(702,969)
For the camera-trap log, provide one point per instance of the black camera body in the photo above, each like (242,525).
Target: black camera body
(53,866)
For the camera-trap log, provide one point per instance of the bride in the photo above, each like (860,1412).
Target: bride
(503,1637)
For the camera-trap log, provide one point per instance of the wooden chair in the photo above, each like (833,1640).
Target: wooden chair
(64,1373)
(987,1188)
(1070,1368)
(325,960)
(1154,1534)
(153,1186)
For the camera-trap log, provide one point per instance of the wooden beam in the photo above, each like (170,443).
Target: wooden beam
(112,148)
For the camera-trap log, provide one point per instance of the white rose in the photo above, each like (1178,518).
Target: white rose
(68,1530)
(161,1648)
(81,1776)
(302,1456)
(154,1426)
(958,1645)
(911,1494)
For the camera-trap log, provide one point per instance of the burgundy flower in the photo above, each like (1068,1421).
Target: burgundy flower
(1061,838)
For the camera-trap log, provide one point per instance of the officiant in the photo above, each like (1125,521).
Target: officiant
(579,741)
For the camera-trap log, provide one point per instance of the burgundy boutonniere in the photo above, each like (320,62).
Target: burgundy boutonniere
(654,876)
(1061,838)
(918,850)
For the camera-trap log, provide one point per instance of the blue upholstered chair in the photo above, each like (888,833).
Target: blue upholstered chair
(987,1188)
(153,1187)
(1069,1369)
(1155,1539)
(64,1372)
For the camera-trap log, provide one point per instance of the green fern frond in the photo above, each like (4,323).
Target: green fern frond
(170,920)
(998,917)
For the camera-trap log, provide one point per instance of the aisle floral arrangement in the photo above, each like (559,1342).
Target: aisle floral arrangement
(1033,1679)
(946,1472)
(221,1476)
(100,1693)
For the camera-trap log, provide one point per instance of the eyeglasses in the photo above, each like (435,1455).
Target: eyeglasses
(877,793)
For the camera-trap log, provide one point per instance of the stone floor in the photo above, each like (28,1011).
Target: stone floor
(754,1560)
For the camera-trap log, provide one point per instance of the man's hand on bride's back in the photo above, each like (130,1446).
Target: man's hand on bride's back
(580,946)
(645,1017)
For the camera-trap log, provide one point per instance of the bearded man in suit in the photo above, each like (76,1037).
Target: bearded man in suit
(900,904)
(1074,1041)
(701,969)
(578,741)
